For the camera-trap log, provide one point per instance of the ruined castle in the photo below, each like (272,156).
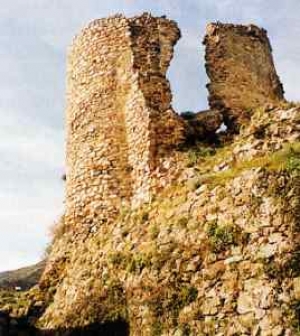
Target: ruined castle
(173,228)
(120,122)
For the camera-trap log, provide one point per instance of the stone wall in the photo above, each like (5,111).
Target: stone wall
(120,123)
(242,75)
(216,251)
(119,116)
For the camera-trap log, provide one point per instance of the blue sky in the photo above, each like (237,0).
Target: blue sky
(34,35)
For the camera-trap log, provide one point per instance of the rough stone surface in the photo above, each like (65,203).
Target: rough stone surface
(219,258)
(242,75)
(119,119)
(215,249)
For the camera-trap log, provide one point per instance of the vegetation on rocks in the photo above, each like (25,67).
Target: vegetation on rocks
(200,239)
(194,260)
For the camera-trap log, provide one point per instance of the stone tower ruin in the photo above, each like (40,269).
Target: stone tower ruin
(197,258)
(242,75)
(120,123)
(119,116)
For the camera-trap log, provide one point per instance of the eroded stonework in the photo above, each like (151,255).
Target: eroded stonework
(242,75)
(120,121)
(157,241)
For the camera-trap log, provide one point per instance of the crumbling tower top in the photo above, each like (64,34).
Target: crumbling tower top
(241,70)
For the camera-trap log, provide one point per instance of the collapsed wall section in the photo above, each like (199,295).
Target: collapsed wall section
(241,70)
(153,128)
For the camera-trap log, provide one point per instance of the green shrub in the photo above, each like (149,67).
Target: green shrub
(138,263)
(293,163)
(221,237)
(198,152)
(188,295)
(180,298)
(117,258)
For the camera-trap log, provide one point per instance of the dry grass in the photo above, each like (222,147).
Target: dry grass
(287,158)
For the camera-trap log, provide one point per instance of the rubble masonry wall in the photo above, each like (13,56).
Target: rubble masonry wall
(241,70)
(119,116)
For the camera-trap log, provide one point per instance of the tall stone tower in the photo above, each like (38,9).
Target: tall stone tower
(241,70)
(119,116)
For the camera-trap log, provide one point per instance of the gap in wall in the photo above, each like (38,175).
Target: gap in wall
(187,75)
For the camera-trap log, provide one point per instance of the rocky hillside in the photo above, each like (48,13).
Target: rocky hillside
(215,253)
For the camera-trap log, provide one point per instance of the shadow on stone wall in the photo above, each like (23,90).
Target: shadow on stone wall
(20,327)
(117,328)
